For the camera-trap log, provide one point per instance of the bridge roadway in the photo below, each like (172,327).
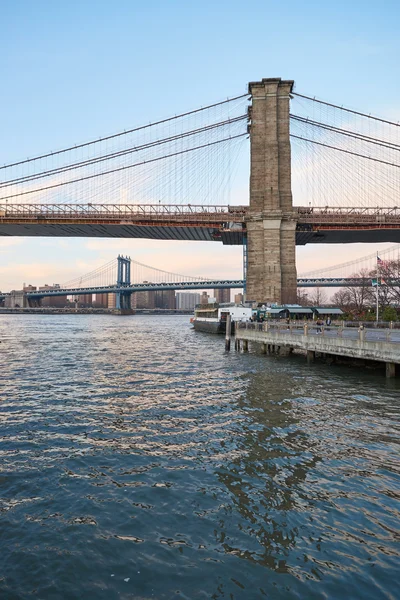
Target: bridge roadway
(226,224)
(305,282)
(382,345)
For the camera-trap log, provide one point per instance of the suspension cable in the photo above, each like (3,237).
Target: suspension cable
(144,162)
(109,137)
(360,137)
(354,112)
(91,161)
(384,162)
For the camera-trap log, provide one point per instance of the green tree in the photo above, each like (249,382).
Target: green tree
(389,314)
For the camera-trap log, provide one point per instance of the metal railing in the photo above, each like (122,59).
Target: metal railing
(346,215)
(232,213)
(360,333)
(99,211)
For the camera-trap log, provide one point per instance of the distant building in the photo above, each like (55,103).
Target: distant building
(52,301)
(165,299)
(222,295)
(111,300)
(238,299)
(29,288)
(204,298)
(187,300)
(146,299)
(102,300)
(85,300)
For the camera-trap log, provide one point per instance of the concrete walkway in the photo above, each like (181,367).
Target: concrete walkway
(381,345)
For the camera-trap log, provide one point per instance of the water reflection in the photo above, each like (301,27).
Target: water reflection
(305,483)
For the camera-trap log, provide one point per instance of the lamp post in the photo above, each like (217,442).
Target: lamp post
(377,289)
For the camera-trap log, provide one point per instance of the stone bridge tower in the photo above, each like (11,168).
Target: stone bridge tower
(271,222)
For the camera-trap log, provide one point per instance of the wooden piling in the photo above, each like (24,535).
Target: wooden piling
(228,333)
(390,370)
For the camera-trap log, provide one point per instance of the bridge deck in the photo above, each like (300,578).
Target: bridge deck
(225,224)
(381,345)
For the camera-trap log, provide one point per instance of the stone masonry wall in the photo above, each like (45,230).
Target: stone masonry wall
(271,274)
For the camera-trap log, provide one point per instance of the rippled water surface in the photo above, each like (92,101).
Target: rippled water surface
(139,460)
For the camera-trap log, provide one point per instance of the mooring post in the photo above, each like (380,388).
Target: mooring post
(228,333)
(390,370)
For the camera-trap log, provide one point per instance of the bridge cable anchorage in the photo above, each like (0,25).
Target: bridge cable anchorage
(240,135)
(88,162)
(125,132)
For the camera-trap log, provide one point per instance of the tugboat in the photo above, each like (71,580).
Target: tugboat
(211,318)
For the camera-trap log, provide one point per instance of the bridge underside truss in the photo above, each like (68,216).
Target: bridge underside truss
(351,235)
(305,234)
(187,232)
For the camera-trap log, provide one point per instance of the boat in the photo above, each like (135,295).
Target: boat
(211,318)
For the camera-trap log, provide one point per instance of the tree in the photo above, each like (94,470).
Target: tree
(389,279)
(389,314)
(361,298)
(302,297)
(342,300)
(318,297)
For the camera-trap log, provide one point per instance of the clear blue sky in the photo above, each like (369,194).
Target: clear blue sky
(72,71)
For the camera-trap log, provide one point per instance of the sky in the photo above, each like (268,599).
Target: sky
(77,70)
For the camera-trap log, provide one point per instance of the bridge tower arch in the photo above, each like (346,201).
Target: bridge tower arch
(271,222)
(123,298)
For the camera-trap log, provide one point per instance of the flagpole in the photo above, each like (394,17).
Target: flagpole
(377,288)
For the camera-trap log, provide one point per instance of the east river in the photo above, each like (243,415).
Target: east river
(139,460)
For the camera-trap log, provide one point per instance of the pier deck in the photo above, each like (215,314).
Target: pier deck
(382,345)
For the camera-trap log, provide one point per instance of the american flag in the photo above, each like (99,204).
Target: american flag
(381,262)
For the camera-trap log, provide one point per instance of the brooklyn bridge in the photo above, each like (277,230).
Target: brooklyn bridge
(319,173)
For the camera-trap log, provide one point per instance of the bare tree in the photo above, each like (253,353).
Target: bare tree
(302,297)
(389,279)
(361,298)
(318,297)
(342,300)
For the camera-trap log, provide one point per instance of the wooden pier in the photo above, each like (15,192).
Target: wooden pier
(380,345)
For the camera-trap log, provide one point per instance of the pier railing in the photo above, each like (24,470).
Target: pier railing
(310,329)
